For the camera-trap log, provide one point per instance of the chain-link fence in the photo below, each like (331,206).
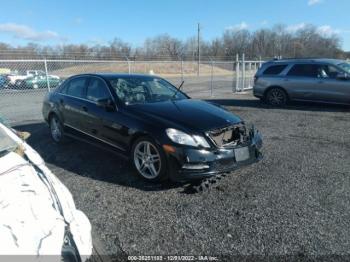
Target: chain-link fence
(24,83)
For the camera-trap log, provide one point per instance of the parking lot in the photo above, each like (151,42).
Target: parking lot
(18,105)
(295,202)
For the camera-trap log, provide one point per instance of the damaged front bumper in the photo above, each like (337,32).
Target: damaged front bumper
(194,164)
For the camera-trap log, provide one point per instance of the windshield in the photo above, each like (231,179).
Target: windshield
(345,67)
(136,90)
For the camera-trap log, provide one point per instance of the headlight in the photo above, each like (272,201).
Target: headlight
(182,138)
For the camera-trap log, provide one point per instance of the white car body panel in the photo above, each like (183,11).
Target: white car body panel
(14,78)
(30,220)
(30,73)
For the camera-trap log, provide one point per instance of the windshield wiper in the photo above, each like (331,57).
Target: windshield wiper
(177,90)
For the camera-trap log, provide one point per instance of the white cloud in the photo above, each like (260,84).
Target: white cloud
(296,27)
(313,2)
(96,41)
(264,22)
(27,33)
(238,27)
(327,30)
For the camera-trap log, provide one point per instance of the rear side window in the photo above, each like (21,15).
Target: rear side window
(75,87)
(305,70)
(274,70)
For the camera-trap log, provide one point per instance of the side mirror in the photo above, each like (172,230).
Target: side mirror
(106,103)
(343,76)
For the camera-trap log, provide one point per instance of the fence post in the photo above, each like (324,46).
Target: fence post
(260,63)
(237,72)
(129,67)
(133,69)
(243,72)
(182,70)
(47,75)
(211,77)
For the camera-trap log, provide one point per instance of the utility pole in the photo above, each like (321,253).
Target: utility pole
(198,48)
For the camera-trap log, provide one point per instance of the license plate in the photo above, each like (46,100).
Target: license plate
(242,154)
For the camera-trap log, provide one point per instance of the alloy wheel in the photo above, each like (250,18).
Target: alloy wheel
(55,128)
(276,97)
(147,160)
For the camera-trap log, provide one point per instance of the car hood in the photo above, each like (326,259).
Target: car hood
(30,221)
(189,113)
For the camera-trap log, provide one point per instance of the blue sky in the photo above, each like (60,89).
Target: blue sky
(63,22)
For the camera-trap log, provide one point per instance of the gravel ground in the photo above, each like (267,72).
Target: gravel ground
(295,202)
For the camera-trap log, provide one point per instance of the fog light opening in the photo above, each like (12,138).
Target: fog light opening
(195,166)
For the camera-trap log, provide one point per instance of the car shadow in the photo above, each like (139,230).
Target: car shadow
(302,106)
(87,160)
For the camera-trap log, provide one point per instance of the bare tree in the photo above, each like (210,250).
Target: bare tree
(307,41)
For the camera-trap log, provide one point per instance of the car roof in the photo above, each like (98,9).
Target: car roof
(117,75)
(306,60)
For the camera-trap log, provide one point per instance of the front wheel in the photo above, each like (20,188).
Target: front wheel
(276,97)
(149,160)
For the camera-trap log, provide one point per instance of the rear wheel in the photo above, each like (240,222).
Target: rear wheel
(149,159)
(56,129)
(276,97)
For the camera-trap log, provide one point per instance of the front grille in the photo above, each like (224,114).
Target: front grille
(229,136)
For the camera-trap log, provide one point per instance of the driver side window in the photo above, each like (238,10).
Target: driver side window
(97,90)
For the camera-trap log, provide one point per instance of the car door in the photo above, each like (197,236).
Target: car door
(302,82)
(333,89)
(71,102)
(101,122)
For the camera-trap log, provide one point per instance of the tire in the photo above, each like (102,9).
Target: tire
(276,97)
(56,130)
(148,160)
(19,84)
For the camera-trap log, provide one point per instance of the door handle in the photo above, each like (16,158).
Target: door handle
(61,101)
(84,108)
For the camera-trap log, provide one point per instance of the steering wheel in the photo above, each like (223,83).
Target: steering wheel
(138,96)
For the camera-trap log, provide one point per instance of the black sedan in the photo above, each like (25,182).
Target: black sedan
(166,134)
